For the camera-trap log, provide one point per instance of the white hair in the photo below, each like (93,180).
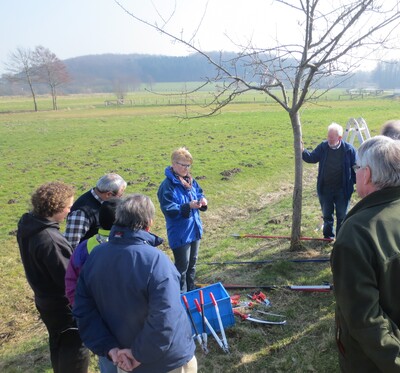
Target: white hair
(382,156)
(336,127)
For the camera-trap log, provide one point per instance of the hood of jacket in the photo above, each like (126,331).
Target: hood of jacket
(124,234)
(30,224)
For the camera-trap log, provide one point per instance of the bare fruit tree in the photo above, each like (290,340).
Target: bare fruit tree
(51,71)
(332,40)
(22,69)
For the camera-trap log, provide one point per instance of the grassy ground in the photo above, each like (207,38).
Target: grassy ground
(243,159)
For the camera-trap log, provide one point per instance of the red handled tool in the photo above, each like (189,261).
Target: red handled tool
(203,322)
(248,317)
(221,326)
(197,335)
(220,343)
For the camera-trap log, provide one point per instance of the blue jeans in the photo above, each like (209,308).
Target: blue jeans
(106,366)
(330,200)
(185,262)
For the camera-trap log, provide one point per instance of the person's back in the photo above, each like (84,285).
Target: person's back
(128,295)
(82,251)
(83,220)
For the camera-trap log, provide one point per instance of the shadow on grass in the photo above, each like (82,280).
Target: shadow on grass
(35,360)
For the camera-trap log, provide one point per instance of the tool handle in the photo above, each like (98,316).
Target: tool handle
(241,315)
(196,302)
(190,314)
(185,301)
(201,297)
(214,302)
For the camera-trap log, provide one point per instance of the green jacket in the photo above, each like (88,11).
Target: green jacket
(366,274)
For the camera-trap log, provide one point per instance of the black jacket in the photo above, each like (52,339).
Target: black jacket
(91,207)
(45,255)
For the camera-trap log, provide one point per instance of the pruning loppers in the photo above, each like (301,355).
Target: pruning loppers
(203,321)
(260,297)
(219,341)
(248,317)
(221,325)
(197,335)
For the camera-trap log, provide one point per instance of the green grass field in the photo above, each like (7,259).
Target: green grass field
(243,159)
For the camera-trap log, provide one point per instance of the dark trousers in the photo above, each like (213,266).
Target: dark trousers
(185,262)
(331,200)
(67,352)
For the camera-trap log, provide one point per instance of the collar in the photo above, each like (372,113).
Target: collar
(124,234)
(96,196)
(336,146)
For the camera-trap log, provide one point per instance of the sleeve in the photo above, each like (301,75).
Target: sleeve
(357,296)
(92,329)
(169,204)
(71,278)
(313,156)
(77,226)
(352,163)
(163,315)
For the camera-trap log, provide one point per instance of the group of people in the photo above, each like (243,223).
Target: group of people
(103,285)
(365,259)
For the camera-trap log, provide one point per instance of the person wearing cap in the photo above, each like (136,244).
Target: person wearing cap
(181,200)
(83,220)
(336,177)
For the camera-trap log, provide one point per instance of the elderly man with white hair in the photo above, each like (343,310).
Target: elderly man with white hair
(336,178)
(366,264)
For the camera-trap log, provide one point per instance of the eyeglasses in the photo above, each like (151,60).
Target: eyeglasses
(184,165)
(356,167)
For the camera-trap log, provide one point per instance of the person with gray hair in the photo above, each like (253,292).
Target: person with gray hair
(336,178)
(391,129)
(127,302)
(365,264)
(83,220)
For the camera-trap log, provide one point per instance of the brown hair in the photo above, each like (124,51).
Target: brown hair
(51,198)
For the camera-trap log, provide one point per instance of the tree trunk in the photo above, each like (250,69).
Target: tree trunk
(295,243)
(33,94)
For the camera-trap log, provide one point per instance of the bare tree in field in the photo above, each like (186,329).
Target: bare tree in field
(51,71)
(334,38)
(22,69)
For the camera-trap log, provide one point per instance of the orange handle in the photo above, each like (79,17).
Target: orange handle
(213,299)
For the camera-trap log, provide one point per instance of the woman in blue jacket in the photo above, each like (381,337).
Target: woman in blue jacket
(181,199)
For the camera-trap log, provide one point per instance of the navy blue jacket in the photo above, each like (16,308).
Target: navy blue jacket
(128,296)
(320,153)
(183,223)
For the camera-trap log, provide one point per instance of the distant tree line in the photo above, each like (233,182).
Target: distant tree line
(39,71)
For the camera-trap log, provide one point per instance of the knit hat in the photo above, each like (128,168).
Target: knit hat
(107,213)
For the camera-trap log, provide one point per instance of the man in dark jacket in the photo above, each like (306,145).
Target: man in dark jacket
(127,302)
(83,220)
(366,264)
(45,255)
(336,177)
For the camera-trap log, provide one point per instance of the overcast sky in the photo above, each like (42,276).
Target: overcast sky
(72,28)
